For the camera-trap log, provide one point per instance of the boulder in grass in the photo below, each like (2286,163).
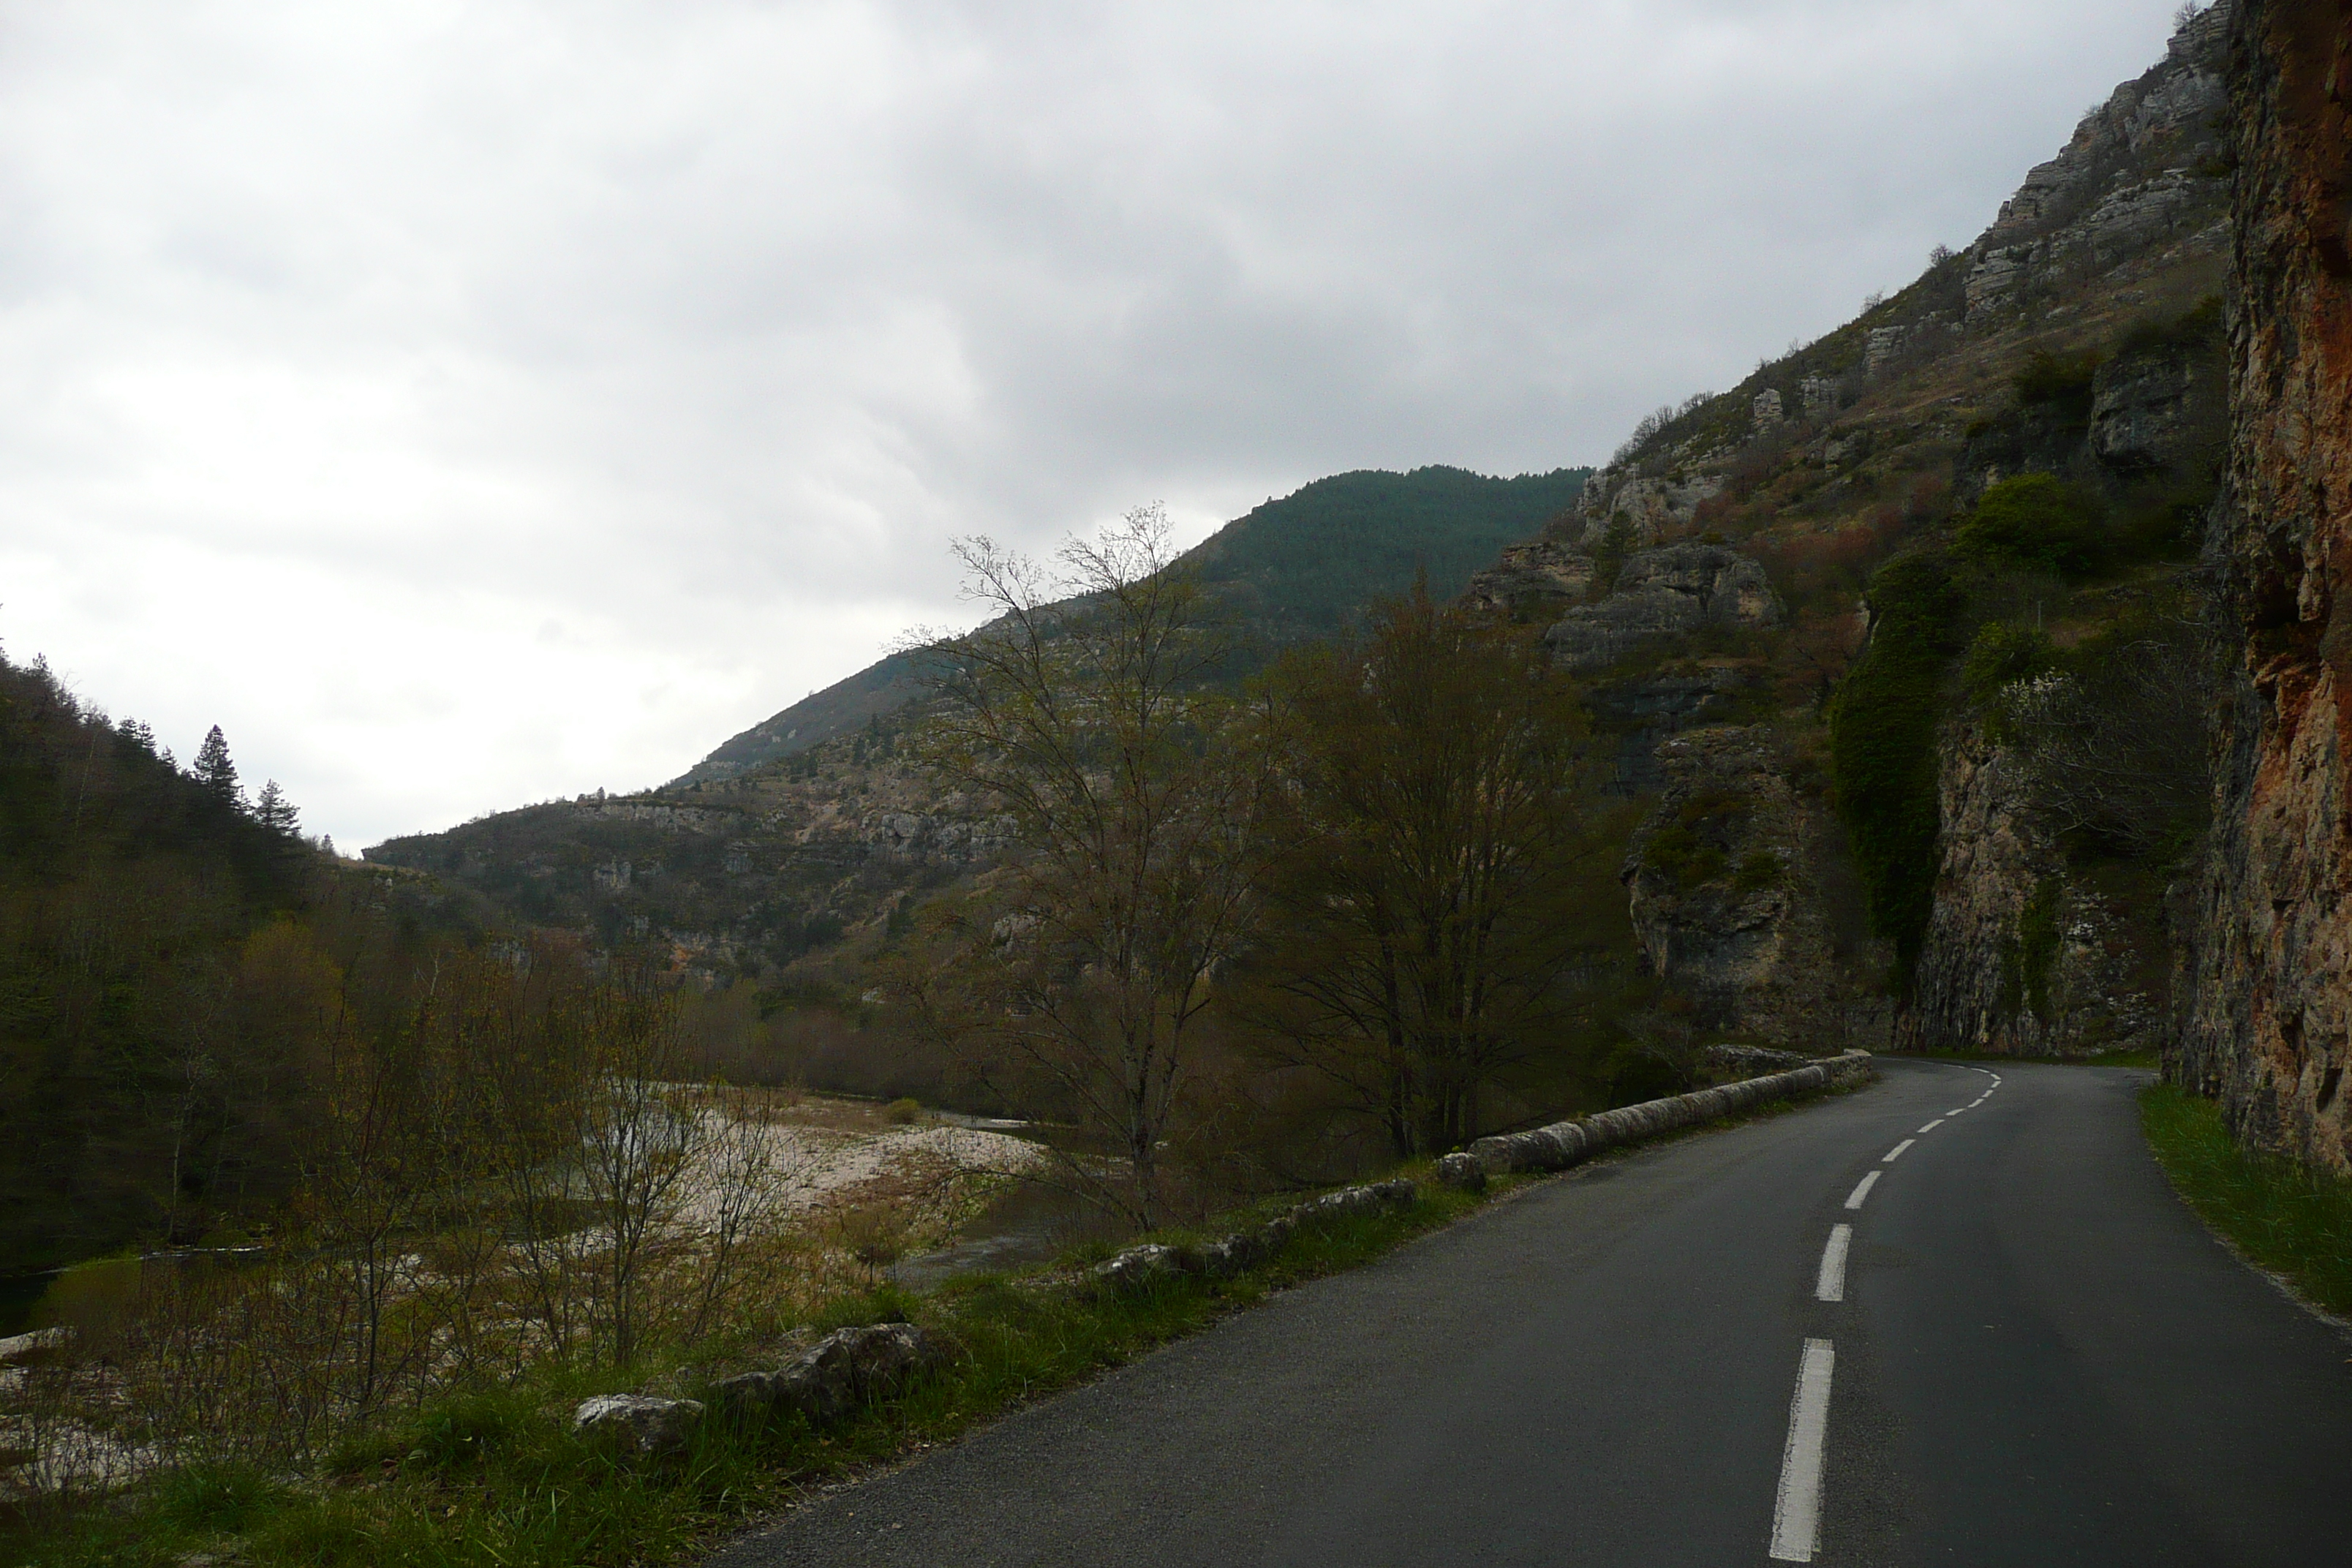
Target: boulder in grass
(751,1395)
(641,1423)
(1351,1201)
(1240,1252)
(846,1369)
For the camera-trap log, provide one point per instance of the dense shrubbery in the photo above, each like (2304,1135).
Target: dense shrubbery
(2111,730)
(1882,743)
(2061,380)
(2002,654)
(2035,523)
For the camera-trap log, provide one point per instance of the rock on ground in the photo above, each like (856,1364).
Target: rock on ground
(643,1424)
(846,1369)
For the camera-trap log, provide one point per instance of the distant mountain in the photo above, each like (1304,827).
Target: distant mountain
(813,826)
(1297,569)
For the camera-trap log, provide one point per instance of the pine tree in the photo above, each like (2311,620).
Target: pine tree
(216,772)
(274,812)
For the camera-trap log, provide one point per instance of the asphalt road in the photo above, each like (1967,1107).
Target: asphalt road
(2037,1355)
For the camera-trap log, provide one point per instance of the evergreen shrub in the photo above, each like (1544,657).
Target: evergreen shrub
(2035,523)
(1883,744)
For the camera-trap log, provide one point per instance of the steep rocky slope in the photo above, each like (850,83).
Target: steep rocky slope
(2268,1020)
(1712,588)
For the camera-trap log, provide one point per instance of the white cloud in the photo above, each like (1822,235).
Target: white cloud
(467,404)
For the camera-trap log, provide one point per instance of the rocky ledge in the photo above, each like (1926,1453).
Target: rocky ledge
(1673,590)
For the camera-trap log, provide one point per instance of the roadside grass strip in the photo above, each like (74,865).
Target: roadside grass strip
(1797,1512)
(2293,1222)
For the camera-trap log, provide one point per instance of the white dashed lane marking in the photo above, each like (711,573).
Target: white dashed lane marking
(1830,1284)
(1796,1514)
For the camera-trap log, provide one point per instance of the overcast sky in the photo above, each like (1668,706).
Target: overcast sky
(467,404)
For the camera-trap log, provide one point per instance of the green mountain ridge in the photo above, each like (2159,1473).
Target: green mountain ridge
(1298,567)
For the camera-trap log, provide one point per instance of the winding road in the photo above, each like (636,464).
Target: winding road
(1955,1318)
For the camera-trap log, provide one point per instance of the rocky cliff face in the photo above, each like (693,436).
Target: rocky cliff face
(1667,591)
(2023,953)
(1724,880)
(2077,337)
(2266,1027)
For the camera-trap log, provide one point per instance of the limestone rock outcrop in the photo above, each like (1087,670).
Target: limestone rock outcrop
(1725,903)
(2022,956)
(1643,507)
(1532,581)
(1677,588)
(2269,1021)
(2141,169)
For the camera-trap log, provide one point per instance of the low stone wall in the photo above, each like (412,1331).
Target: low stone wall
(1141,1266)
(858,1367)
(1566,1143)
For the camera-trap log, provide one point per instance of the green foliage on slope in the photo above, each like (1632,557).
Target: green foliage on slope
(1295,569)
(2036,523)
(126,887)
(2280,1215)
(1306,565)
(1883,744)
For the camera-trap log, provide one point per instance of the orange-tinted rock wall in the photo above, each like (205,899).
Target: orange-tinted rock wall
(2271,1007)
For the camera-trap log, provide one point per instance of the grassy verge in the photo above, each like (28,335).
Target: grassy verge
(498,1477)
(2279,1215)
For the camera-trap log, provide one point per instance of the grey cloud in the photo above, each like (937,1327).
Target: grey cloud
(694,329)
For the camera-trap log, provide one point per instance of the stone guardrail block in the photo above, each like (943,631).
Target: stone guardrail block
(1566,1143)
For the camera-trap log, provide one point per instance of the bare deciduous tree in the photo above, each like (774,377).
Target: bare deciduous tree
(1420,942)
(1084,707)
(2118,748)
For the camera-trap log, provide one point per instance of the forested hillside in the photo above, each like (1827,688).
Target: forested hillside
(128,892)
(1298,567)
